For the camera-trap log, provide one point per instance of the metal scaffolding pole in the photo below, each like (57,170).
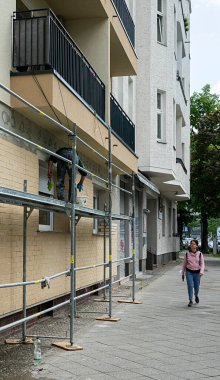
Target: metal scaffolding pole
(110,217)
(24,267)
(73,238)
(104,268)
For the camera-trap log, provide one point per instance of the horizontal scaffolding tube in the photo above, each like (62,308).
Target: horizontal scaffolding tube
(35,145)
(47,337)
(94,150)
(121,279)
(91,266)
(34,282)
(124,259)
(92,291)
(48,151)
(36,109)
(94,175)
(20,321)
(120,188)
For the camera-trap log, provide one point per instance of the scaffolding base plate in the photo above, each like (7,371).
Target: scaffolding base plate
(101,300)
(19,341)
(130,301)
(66,346)
(108,319)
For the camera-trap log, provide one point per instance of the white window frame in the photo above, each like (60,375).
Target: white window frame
(161,132)
(95,220)
(43,190)
(161,22)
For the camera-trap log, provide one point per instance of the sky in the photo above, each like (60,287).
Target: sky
(205,45)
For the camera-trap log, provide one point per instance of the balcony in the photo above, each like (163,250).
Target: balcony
(122,124)
(126,19)
(40,42)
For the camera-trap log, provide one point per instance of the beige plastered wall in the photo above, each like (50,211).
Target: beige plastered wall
(47,252)
(94,132)
(7,8)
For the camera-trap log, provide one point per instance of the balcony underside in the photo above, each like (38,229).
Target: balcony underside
(168,185)
(90,128)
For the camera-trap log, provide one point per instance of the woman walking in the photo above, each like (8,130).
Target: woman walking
(193,267)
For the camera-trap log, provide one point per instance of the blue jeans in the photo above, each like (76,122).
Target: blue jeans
(193,281)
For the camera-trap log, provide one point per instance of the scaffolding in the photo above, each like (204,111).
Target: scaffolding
(73,210)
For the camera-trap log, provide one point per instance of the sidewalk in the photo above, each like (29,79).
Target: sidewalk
(159,339)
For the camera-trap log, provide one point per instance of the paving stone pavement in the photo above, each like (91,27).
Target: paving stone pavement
(159,339)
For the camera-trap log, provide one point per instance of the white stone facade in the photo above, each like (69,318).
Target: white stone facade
(163,147)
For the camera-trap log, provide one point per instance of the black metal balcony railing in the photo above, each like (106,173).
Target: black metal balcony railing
(180,161)
(39,39)
(122,124)
(126,19)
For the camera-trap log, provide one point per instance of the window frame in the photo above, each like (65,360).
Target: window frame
(161,23)
(161,130)
(95,226)
(45,227)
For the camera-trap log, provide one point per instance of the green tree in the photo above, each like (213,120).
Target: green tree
(205,157)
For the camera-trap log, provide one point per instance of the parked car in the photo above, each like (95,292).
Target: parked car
(186,242)
(210,244)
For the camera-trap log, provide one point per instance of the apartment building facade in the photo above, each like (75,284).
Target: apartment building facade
(60,57)
(158,102)
(163,116)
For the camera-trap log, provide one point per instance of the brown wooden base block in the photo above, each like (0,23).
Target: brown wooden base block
(130,301)
(19,341)
(108,319)
(101,300)
(67,346)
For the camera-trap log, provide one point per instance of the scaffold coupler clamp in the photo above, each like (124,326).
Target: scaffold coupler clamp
(45,283)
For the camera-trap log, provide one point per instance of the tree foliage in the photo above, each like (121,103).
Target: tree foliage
(205,152)
(205,158)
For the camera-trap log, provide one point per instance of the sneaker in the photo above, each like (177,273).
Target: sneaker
(190,303)
(197,299)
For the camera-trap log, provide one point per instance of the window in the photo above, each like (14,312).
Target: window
(170,222)
(45,217)
(160,21)
(183,152)
(174,221)
(163,220)
(160,116)
(95,206)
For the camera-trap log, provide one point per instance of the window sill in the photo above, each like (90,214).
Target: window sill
(161,142)
(40,230)
(162,43)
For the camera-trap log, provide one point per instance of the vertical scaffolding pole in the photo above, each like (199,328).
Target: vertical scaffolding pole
(133,233)
(73,237)
(110,217)
(24,266)
(104,268)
